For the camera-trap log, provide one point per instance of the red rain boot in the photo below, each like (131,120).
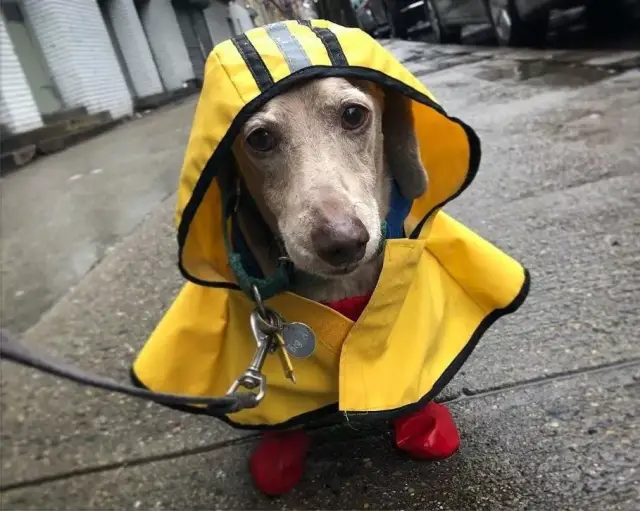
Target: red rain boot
(428,434)
(277,464)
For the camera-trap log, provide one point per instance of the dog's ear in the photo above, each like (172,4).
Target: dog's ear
(401,145)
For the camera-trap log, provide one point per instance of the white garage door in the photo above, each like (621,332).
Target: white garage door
(218,21)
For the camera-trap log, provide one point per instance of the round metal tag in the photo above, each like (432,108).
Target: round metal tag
(299,339)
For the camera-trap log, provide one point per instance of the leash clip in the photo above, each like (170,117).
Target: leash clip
(264,323)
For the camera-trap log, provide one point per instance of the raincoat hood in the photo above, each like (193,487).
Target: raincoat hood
(440,288)
(242,74)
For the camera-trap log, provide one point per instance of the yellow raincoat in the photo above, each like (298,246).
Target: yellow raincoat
(439,291)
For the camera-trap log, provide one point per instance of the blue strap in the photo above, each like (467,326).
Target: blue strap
(399,208)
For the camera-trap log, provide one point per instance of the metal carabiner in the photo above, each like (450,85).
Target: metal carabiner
(253,378)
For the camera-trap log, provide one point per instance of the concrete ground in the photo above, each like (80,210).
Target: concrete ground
(548,405)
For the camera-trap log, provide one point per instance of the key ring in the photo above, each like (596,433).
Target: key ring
(270,321)
(272,324)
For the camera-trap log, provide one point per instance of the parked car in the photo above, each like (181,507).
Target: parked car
(370,15)
(514,22)
(400,17)
(448,17)
(525,22)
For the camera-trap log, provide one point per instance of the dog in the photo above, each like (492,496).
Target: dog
(318,160)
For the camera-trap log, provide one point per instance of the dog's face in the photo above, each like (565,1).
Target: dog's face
(316,158)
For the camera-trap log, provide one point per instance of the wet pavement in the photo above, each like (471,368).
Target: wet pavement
(548,405)
(61,215)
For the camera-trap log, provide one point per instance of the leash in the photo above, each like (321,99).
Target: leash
(12,349)
(271,332)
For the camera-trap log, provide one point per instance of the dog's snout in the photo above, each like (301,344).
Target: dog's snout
(340,241)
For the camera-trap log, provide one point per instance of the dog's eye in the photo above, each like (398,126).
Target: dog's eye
(261,140)
(354,116)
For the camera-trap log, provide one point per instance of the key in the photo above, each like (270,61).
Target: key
(285,361)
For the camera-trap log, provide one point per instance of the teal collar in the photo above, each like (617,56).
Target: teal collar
(243,263)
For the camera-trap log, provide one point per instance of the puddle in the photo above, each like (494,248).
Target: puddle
(547,72)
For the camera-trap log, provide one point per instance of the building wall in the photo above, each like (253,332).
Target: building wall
(18,110)
(78,50)
(167,44)
(216,17)
(240,17)
(134,46)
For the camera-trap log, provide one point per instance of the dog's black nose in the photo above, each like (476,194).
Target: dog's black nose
(340,241)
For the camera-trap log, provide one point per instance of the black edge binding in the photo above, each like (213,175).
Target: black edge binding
(332,409)
(475,155)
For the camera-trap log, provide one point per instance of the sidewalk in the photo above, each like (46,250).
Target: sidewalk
(63,213)
(548,405)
